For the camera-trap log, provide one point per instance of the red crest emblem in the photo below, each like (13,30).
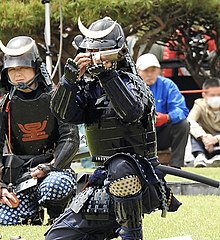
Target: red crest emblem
(33,131)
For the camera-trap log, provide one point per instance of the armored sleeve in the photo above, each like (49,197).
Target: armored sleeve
(2,143)
(127,94)
(67,102)
(68,145)
(2,139)
(3,126)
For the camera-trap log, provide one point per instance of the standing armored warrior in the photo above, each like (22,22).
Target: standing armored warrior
(118,111)
(40,148)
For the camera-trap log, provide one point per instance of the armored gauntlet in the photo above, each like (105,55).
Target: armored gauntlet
(71,71)
(46,168)
(99,69)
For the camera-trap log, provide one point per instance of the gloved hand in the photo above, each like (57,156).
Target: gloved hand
(161,119)
(98,177)
(41,170)
(97,69)
(71,71)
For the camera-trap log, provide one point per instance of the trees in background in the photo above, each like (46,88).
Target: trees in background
(191,28)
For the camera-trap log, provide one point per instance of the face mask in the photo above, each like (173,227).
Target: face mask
(214,102)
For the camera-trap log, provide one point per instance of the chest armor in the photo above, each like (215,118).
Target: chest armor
(34,129)
(109,134)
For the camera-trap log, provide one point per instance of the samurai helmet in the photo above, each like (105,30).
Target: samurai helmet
(101,34)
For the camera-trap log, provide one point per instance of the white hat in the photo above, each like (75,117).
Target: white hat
(147,60)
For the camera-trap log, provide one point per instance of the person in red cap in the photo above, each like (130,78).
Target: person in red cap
(171,125)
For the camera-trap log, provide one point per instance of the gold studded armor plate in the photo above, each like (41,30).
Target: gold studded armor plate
(127,186)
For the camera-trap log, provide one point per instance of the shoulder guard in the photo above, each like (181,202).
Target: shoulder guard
(144,90)
(121,88)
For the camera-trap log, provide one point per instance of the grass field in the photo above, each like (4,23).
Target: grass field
(199,216)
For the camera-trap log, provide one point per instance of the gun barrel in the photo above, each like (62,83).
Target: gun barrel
(188,175)
(110,55)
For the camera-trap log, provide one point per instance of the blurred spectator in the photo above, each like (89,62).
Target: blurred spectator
(204,119)
(171,125)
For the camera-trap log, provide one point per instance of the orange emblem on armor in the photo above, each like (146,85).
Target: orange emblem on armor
(33,131)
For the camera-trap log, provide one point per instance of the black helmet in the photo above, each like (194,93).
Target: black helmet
(102,34)
(20,51)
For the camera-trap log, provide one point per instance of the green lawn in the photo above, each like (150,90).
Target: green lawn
(199,216)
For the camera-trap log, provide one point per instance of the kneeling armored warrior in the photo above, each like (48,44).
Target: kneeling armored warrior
(118,111)
(39,146)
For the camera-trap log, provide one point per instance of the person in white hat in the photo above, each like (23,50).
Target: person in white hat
(171,124)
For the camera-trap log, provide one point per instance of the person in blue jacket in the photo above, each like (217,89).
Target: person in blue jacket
(171,124)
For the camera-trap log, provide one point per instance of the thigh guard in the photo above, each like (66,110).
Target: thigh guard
(126,190)
(121,165)
(93,203)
